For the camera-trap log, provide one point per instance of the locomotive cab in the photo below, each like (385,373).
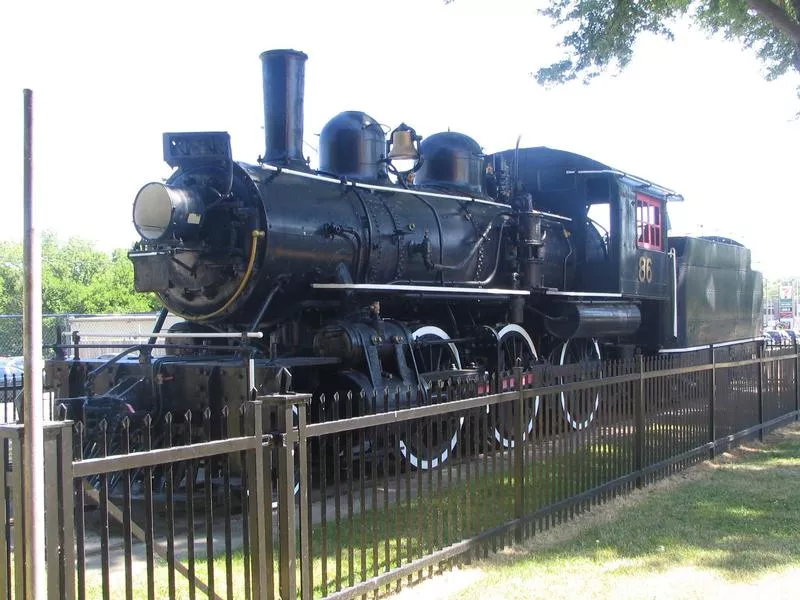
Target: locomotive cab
(644,263)
(579,205)
(606,269)
(636,261)
(617,223)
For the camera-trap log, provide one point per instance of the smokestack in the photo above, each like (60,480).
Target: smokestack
(283,73)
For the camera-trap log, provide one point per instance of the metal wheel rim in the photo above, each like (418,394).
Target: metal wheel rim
(578,426)
(498,435)
(444,455)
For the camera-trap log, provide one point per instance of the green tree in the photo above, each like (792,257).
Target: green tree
(10,278)
(76,278)
(113,289)
(602,33)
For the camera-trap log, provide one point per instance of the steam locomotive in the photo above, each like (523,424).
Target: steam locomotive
(365,275)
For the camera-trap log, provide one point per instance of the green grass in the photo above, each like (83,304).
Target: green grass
(447,512)
(716,536)
(440,516)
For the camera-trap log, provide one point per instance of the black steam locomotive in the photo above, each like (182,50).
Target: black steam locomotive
(364,275)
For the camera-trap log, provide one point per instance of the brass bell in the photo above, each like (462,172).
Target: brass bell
(404,144)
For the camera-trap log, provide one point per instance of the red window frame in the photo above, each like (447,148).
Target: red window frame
(649,220)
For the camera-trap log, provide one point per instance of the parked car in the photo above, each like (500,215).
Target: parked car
(14,367)
(11,367)
(778,337)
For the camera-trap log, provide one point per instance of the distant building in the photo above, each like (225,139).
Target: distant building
(114,330)
(771,309)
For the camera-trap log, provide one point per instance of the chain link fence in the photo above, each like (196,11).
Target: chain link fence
(100,336)
(60,327)
(11,332)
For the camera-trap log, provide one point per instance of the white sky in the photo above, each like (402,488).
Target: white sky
(109,77)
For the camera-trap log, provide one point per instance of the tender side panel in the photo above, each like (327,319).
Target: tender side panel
(719,295)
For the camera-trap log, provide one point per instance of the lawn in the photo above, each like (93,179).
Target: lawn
(733,522)
(725,529)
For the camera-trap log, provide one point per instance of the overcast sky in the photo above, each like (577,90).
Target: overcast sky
(695,115)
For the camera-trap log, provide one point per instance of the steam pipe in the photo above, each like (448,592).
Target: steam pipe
(283,75)
(472,252)
(472,283)
(264,307)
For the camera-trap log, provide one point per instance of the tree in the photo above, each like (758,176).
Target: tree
(603,32)
(76,278)
(10,278)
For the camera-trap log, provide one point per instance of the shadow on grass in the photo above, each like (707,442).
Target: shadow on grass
(742,521)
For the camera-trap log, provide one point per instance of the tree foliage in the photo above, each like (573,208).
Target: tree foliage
(603,32)
(76,278)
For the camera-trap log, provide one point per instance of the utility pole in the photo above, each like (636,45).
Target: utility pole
(33,441)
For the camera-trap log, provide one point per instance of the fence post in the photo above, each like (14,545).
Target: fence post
(796,382)
(257,500)
(760,354)
(17,498)
(59,516)
(76,343)
(306,564)
(712,403)
(639,419)
(519,472)
(67,510)
(286,404)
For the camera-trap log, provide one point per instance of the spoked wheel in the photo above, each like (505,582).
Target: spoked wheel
(514,344)
(580,408)
(296,466)
(429,445)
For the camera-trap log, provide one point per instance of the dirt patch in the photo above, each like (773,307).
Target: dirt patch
(672,583)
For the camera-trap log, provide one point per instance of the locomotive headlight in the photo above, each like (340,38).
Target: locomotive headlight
(161,210)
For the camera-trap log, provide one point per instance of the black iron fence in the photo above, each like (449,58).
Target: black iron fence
(380,490)
(10,397)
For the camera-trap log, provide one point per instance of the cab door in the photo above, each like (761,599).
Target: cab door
(645,265)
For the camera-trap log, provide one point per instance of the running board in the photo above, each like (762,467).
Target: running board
(709,346)
(387,288)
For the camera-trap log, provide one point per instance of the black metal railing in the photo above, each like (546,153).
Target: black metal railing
(386,508)
(10,397)
(378,490)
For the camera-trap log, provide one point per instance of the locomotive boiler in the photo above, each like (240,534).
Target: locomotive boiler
(361,275)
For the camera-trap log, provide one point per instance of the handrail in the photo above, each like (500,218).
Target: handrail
(144,336)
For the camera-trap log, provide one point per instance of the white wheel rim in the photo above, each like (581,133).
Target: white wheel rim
(296,483)
(507,443)
(408,452)
(567,415)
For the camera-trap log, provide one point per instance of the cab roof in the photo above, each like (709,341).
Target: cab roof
(543,163)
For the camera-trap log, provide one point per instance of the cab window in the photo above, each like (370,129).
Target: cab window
(649,222)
